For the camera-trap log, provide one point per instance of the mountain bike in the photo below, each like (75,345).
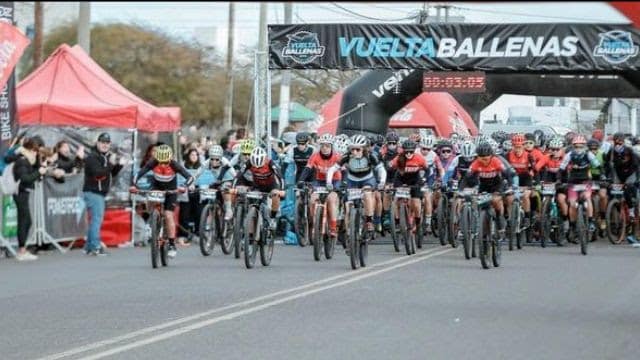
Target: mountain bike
(489,242)
(213,227)
(401,200)
(619,223)
(322,242)
(515,232)
(357,235)
(159,241)
(468,222)
(302,223)
(582,227)
(257,234)
(551,223)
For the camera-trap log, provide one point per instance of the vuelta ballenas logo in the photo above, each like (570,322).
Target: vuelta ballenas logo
(616,46)
(303,47)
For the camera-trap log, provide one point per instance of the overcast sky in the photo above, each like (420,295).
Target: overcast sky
(181,18)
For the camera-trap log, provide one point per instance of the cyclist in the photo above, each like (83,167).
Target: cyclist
(489,172)
(319,163)
(388,152)
(261,173)
(596,149)
(435,171)
(242,156)
(577,166)
(223,174)
(459,169)
(410,171)
(300,154)
(524,163)
(549,170)
(360,166)
(531,145)
(624,168)
(165,168)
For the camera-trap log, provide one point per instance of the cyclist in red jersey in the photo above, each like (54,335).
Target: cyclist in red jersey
(410,171)
(523,163)
(321,161)
(549,170)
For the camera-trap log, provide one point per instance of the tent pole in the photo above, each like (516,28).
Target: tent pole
(133,198)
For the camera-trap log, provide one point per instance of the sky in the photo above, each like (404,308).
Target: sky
(182,18)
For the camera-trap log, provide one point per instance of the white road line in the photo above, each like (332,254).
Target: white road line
(230,316)
(144,331)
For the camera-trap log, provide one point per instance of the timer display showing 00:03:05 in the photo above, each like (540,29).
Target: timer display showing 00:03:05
(454,82)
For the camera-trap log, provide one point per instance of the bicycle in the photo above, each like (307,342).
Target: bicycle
(551,223)
(490,246)
(301,222)
(401,200)
(468,222)
(582,227)
(514,224)
(322,242)
(357,244)
(159,241)
(443,219)
(213,227)
(392,223)
(452,215)
(619,223)
(256,231)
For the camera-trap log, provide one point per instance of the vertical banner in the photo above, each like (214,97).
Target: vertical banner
(8,122)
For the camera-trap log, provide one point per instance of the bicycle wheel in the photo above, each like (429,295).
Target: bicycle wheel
(317,234)
(582,230)
(266,246)
(301,224)
(465,227)
(227,241)
(207,231)
(155,238)
(329,243)
(453,225)
(513,224)
(163,243)
(443,229)
(250,243)
(404,231)
(394,231)
(363,253)
(419,236)
(616,222)
(547,222)
(496,245)
(354,230)
(238,233)
(526,232)
(484,239)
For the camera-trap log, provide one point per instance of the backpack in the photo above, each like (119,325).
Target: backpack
(8,183)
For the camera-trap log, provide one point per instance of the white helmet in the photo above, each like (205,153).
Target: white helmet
(556,143)
(359,141)
(507,146)
(342,144)
(468,149)
(216,151)
(427,141)
(258,157)
(326,139)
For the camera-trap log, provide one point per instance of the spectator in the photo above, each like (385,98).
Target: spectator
(190,203)
(100,166)
(27,170)
(64,159)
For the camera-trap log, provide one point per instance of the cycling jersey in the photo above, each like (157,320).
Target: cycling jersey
(265,178)
(164,175)
(596,171)
(411,173)
(522,163)
(537,155)
(359,169)
(434,166)
(300,158)
(623,164)
(321,165)
(458,170)
(489,175)
(549,168)
(578,166)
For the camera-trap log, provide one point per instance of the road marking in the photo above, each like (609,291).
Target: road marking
(151,329)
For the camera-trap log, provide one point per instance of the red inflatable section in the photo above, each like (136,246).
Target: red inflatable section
(630,9)
(116,227)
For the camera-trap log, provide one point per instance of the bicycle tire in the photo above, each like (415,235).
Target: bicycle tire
(465,227)
(394,231)
(496,245)
(582,230)
(250,243)
(419,236)
(616,222)
(523,233)
(484,239)
(547,222)
(316,234)
(266,247)
(301,225)
(354,248)
(238,233)
(207,237)
(155,238)
(513,224)
(329,243)
(363,253)
(404,231)
(453,225)
(443,229)
(226,240)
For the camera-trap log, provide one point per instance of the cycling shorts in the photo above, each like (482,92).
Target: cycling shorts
(572,195)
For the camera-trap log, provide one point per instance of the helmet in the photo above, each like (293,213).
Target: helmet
(163,153)
(392,136)
(578,139)
(556,143)
(517,140)
(494,145)
(593,143)
(597,134)
(529,137)
(569,136)
(415,137)
(302,137)
(428,141)
(468,149)
(506,145)
(247,146)
(342,144)
(216,151)
(379,139)
(409,145)
(326,139)
(258,157)
(499,136)
(359,141)
(444,143)
(484,149)
(480,139)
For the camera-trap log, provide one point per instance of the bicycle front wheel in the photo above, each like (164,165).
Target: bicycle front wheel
(156,229)
(266,247)
(616,222)
(207,231)
(238,233)
(484,239)
(404,229)
(318,244)
(354,238)
(443,229)
(465,227)
(250,244)
(582,230)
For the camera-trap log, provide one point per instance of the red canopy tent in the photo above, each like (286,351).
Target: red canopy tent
(70,88)
(438,111)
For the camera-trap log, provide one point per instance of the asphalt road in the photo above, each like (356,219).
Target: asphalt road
(548,303)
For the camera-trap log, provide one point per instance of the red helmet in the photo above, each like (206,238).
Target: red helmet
(597,134)
(579,139)
(517,140)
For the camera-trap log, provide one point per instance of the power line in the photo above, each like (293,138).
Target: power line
(369,17)
(527,15)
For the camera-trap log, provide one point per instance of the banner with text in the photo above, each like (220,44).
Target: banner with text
(64,207)
(479,47)
(8,121)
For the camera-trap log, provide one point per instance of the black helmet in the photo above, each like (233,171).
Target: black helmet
(392,136)
(593,143)
(409,146)
(379,139)
(302,138)
(618,136)
(499,136)
(529,137)
(445,143)
(484,149)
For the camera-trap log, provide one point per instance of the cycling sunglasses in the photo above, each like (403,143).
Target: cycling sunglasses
(446,151)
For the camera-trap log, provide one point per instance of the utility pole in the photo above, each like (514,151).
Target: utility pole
(84,26)
(38,20)
(261,68)
(285,90)
(228,109)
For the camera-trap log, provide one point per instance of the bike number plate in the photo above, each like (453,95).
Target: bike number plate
(548,189)
(403,193)
(484,199)
(254,195)
(425,189)
(208,194)
(320,190)
(469,191)
(617,189)
(595,187)
(579,187)
(454,185)
(156,196)
(354,194)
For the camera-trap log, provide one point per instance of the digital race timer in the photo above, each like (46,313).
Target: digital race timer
(454,81)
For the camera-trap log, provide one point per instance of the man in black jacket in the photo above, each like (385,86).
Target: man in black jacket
(100,166)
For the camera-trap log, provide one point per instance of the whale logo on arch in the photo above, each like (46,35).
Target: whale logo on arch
(303,47)
(616,46)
